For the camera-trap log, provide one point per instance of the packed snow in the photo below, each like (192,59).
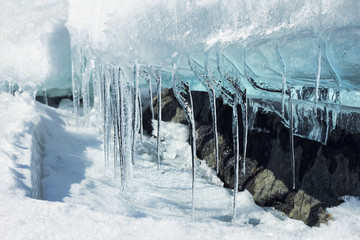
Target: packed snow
(79,200)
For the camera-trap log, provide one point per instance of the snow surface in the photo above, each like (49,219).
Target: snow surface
(35,45)
(43,155)
(80,201)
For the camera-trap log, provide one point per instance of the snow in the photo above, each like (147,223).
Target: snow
(35,45)
(80,201)
(53,181)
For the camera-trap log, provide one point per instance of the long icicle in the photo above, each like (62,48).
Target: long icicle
(235,132)
(182,89)
(113,113)
(107,118)
(157,75)
(193,153)
(246,129)
(201,73)
(121,128)
(135,112)
(103,103)
(212,99)
(75,94)
(148,80)
(140,117)
(292,138)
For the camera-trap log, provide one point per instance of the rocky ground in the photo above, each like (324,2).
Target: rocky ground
(323,173)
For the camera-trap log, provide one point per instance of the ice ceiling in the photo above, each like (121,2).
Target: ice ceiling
(272,50)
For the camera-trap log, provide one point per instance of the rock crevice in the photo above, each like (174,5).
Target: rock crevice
(323,173)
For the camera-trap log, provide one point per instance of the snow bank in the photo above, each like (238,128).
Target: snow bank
(155,207)
(21,140)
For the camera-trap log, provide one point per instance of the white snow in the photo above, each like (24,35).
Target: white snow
(80,201)
(53,184)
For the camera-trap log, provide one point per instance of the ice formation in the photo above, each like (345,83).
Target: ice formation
(300,60)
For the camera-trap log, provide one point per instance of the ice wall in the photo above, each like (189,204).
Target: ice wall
(248,33)
(306,51)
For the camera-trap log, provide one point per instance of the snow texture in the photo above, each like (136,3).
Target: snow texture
(79,201)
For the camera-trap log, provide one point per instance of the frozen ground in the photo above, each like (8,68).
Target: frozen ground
(81,200)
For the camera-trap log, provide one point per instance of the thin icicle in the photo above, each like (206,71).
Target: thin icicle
(75,94)
(246,129)
(283,75)
(113,113)
(182,93)
(235,132)
(34,94)
(148,80)
(157,75)
(193,151)
(85,94)
(317,81)
(291,123)
(212,99)
(107,117)
(140,117)
(103,104)
(121,129)
(135,112)
(327,120)
(96,83)
(201,73)
(45,98)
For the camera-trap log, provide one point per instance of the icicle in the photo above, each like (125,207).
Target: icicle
(181,90)
(85,88)
(140,118)
(193,153)
(75,94)
(157,75)
(235,132)
(121,129)
(151,100)
(327,124)
(45,98)
(108,117)
(212,99)
(283,75)
(34,94)
(135,112)
(113,113)
(291,123)
(317,81)
(246,129)
(202,75)
(103,104)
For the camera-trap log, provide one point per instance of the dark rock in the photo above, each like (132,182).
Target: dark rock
(323,173)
